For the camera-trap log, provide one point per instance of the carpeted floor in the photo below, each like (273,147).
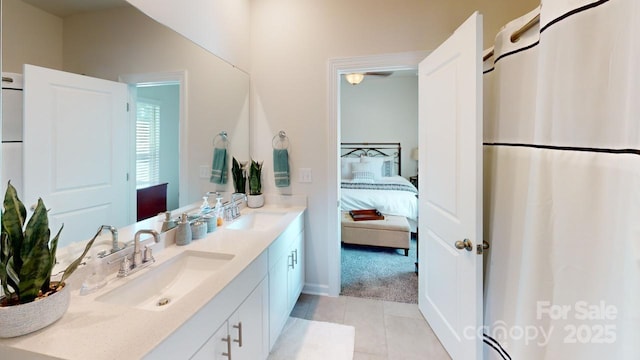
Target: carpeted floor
(379,273)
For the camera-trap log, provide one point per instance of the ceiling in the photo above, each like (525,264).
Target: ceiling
(63,8)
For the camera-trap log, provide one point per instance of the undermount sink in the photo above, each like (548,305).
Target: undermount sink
(258,220)
(157,288)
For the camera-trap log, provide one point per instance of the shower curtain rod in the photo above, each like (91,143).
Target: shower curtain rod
(518,33)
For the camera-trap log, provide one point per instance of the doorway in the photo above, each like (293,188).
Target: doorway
(336,69)
(379,125)
(158,129)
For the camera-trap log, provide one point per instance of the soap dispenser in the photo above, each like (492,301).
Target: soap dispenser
(183,232)
(218,210)
(168,223)
(205,208)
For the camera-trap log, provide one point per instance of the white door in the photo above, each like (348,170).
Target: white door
(76,150)
(450,135)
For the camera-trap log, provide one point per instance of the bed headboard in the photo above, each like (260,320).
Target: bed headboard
(391,149)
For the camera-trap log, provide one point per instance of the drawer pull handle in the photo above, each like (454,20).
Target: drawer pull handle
(239,339)
(228,341)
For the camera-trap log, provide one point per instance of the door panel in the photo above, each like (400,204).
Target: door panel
(450,134)
(76,150)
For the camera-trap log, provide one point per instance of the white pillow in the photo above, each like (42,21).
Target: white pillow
(376,164)
(388,167)
(345,166)
(364,172)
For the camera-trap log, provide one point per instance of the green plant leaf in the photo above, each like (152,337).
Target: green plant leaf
(74,265)
(35,255)
(13,279)
(5,255)
(255,171)
(53,247)
(239,181)
(13,218)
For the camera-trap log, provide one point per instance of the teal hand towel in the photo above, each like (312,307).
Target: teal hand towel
(281,167)
(219,166)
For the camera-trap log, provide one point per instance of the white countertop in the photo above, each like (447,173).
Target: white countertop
(92,329)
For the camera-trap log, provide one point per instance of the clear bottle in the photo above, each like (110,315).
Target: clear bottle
(205,208)
(218,210)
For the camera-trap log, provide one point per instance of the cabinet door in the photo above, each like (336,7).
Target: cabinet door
(247,326)
(295,279)
(216,347)
(278,299)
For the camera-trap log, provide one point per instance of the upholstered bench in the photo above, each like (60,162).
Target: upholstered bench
(392,232)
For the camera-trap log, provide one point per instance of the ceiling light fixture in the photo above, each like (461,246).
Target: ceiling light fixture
(354,78)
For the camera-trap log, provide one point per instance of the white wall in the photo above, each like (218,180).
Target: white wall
(220,26)
(292,41)
(382,110)
(43,34)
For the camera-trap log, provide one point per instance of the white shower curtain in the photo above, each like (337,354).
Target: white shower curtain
(562,184)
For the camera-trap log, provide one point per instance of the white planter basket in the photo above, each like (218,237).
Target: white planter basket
(255,201)
(22,319)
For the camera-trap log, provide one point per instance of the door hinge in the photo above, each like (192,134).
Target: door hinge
(127,176)
(127,107)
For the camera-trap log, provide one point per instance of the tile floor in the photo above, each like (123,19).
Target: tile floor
(384,329)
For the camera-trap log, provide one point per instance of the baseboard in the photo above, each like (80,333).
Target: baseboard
(316,289)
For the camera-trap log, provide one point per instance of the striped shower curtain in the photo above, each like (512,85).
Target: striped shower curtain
(562,184)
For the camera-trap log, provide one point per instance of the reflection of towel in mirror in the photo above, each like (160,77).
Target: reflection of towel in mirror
(281,167)
(219,166)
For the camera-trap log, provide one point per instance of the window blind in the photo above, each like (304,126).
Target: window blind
(147,143)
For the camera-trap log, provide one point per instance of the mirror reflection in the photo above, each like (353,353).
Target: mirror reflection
(192,94)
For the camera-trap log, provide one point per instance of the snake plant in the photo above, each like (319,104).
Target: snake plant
(239,180)
(255,183)
(27,254)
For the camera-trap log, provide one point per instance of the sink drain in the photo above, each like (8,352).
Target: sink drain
(163,302)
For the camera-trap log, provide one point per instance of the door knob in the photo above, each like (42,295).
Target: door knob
(464,244)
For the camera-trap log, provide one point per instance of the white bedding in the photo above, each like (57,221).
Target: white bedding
(389,202)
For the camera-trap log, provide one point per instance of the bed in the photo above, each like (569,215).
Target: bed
(370,180)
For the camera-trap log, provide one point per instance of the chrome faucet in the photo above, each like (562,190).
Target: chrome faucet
(235,209)
(138,260)
(115,247)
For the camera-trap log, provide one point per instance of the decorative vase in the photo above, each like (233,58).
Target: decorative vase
(255,201)
(26,318)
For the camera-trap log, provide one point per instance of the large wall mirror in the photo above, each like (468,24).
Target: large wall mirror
(117,42)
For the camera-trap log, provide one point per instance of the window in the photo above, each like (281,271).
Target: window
(147,143)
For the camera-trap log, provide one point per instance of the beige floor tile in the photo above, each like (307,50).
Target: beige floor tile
(364,307)
(329,309)
(384,330)
(306,298)
(300,310)
(402,309)
(364,356)
(409,338)
(368,319)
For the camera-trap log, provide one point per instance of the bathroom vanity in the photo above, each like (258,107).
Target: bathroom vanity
(229,293)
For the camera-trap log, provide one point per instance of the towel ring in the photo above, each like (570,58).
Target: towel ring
(223,138)
(280,141)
